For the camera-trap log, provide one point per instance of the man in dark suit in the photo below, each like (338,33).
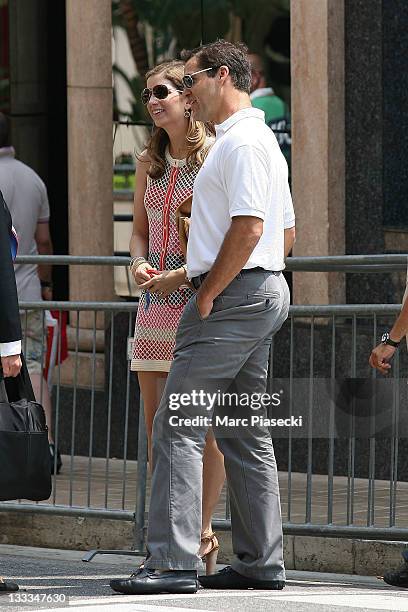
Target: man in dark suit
(10,328)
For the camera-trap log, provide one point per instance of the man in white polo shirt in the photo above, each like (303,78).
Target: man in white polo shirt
(236,248)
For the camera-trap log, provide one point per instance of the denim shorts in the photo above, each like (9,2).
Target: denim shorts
(34,340)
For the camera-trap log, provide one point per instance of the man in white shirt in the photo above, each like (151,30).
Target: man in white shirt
(235,256)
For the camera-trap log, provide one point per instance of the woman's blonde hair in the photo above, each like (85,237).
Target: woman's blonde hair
(197,132)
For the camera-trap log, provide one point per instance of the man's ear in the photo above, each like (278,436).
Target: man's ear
(223,72)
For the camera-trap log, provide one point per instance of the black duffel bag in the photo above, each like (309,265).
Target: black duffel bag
(24,451)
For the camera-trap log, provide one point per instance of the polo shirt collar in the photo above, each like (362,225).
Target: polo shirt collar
(7,152)
(261,92)
(244,113)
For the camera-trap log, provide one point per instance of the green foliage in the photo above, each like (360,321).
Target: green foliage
(135,86)
(117,20)
(246,8)
(177,24)
(183,17)
(124,180)
(257,17)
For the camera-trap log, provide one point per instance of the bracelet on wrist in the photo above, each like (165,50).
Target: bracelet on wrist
(135,262)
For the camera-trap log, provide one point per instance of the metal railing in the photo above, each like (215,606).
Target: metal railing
(327,488)
(337,263)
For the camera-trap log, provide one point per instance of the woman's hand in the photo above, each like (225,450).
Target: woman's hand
(165,282)
(140,273)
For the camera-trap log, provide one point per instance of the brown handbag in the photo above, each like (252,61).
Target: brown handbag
(183,214)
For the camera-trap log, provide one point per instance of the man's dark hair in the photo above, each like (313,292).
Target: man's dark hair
(4,131)
(223,53)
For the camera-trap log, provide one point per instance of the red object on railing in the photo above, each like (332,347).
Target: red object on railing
(62,345)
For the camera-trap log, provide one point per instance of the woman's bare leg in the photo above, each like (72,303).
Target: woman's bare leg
(151,386)
(213,481)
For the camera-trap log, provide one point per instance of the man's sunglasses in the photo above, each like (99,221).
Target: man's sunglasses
(188,80)
(158,91)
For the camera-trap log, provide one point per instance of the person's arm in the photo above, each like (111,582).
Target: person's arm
(43,241)
(381,355)
(239,242)
(139,241)
(44,247)
(289,220)
(400,327)
(290,239)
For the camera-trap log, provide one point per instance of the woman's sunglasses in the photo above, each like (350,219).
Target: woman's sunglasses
(188,80)
(158,91)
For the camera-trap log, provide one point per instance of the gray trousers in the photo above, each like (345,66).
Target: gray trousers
(227,350)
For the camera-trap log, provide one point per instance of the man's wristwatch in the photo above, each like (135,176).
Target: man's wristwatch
(385,339)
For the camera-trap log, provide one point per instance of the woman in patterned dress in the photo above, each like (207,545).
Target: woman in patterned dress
(165,174)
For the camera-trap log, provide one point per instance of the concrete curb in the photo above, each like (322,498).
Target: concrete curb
(66,536)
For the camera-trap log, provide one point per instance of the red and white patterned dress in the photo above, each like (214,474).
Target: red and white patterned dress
(157,318)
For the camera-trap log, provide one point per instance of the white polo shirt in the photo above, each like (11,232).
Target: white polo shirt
(245,174)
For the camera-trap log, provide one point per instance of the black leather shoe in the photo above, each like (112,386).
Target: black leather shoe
(8,587)
(146,581)
(228,578)
(398,577)
(59,460)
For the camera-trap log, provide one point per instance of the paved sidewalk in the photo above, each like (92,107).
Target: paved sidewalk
(118,492)
(70,584)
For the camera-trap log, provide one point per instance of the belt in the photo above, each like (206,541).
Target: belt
(196,281)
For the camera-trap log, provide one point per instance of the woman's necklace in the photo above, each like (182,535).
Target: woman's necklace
(180,154)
